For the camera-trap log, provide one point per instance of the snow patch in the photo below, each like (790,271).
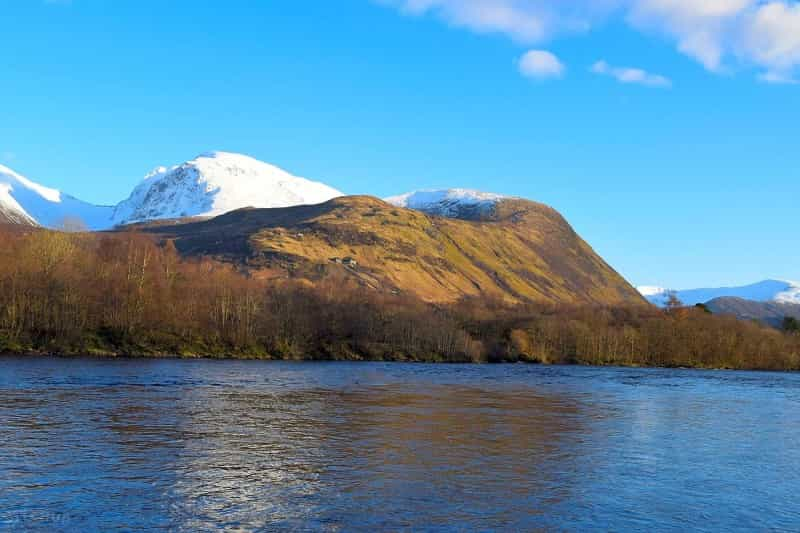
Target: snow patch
(791,295)
(647,290)
(447,202)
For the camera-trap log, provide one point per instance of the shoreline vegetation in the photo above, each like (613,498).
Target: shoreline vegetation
(124,294)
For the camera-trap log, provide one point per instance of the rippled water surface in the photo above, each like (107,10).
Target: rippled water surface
(198,445)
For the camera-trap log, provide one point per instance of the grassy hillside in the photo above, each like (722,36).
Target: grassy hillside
(522,251)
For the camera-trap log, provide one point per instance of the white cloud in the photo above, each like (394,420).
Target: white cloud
(699,26)
(722,35)
(631,75)
(526,21)
(763,33)
(772,39)
(541,64)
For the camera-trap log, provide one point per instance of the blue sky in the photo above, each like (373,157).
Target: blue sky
(666,131)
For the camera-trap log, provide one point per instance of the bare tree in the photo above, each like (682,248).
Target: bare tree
(73,224)
(672,303)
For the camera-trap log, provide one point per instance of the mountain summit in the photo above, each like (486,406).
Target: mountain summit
(212,184)
(215,183)
(523,251)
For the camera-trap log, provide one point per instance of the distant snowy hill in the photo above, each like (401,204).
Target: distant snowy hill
(453,203)
(24,202)
(216,183)
(765,291)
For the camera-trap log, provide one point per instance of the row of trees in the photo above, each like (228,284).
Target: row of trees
(125,294)
(685,337)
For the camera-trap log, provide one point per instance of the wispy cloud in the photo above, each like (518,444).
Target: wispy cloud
(541,64)
(525,21)
(700,28)
(722,35)
(631,75)
(777,79)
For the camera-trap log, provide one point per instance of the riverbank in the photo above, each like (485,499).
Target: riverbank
(355,358)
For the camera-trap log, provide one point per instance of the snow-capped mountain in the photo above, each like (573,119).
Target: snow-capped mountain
(448,202)
(210,185)
(23,201)
(215,183)
(764,291)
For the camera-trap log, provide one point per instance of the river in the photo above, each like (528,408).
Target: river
(196,445)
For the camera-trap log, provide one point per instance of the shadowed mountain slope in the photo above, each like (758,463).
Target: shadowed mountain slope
(771,313)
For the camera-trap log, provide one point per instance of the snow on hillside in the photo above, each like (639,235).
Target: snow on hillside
(447,202)
(215,183)
(791,295)
(764,291)
(647,290)
(24,201)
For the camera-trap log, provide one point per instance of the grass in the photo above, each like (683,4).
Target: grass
(524,251)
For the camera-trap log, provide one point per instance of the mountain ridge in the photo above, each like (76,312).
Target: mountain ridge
(215,183)
(211,184)
(525,252)
(443,246)
(781,291)
(26,202)
(467,204)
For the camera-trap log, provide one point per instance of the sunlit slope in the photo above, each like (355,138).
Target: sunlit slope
(519,251)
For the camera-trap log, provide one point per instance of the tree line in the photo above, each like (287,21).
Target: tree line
(126,294)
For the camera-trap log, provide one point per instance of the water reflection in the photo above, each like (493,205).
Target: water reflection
(202,445)
(325,458)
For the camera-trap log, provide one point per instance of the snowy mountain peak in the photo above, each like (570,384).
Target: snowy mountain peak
(448,202)
(211,184)
(781,291)
(9,177)
(10,209)
(23,201)
(215,183)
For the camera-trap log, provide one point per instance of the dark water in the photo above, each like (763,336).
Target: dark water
(199,445)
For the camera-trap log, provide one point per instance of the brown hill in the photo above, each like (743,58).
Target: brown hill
(771,313)
(520,251)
